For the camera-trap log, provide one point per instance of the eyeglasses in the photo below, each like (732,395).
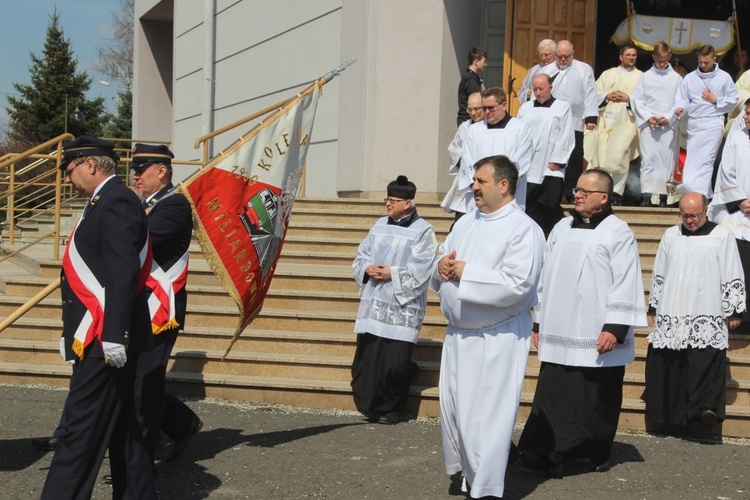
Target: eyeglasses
(69,171)
(585,192)
(491,108)
(475,109)
(661,61)
(564,56)
(692,216)
(392,201)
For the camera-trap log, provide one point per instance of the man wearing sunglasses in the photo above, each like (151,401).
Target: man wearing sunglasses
(105,328)
(498,134)
(170,226)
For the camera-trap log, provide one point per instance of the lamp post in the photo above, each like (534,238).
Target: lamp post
(76,117)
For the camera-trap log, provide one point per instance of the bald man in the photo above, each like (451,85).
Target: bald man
(697,295)
(573,82)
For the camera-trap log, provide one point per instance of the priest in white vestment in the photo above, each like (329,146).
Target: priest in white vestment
(551,125)
(573,82)
(697,290)
(704,96)
(486,276)
(615,141)
(498,134)
(454,201)
(730,205)
(659,141)
(392,267)
(590,301)
(546,52)
(743,94)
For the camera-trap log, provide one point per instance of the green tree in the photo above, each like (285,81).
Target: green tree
(120,126)
(56,87)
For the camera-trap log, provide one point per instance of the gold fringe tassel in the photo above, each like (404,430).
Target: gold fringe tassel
(156,329)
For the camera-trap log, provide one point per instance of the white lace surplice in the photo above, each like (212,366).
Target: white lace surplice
(697,284)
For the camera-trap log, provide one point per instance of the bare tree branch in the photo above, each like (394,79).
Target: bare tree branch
(116,57)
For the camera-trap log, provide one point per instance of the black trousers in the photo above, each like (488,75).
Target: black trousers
(156,410)
(575,167)
(543,203)
(99,409)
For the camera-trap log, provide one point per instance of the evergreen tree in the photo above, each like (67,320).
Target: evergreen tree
(120,126)
(40,113)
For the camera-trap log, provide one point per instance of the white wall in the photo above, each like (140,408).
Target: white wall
(392,112)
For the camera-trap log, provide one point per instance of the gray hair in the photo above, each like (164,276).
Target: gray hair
(104,163)
(546,43)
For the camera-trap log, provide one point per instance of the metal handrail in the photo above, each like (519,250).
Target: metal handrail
(27,246)
(202,140)
(36,149)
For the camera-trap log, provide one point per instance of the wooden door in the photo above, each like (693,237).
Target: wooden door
(531,21)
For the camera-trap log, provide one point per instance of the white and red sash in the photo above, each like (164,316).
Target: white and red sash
(89,291)
(164,285)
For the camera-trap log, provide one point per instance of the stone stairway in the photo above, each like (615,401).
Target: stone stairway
(299,350)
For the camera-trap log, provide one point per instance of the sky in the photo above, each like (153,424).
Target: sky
(23,28)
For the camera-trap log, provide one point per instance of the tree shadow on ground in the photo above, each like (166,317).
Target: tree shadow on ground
(18,454)
(188,480)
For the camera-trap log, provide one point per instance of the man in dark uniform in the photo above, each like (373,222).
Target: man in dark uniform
(105,327)
(470,82)
(170,225)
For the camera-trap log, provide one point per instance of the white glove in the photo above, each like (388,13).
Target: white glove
(61,346)
(114,354)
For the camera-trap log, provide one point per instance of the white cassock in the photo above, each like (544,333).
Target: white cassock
(527,85)
(487,340)
(733,181)
(453,201)
(552,132)
(615,141)
(697,284)
(394,309)
(513,141)
(654,97)
(705,124)
(576,86)
(591,277)
(743,91)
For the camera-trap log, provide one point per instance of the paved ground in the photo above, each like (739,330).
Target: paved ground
(267,451)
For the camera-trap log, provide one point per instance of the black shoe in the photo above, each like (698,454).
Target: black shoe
(46,444)
(709,418)
(602,466)
(647,202)
(538,463)
(372,417)
(390,418)
(662,200)
(179,446)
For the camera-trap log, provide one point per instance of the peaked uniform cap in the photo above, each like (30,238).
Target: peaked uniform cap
(147,154)
(84,146)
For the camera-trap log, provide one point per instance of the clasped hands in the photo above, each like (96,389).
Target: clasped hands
(450,268)
(618,96)
(379,272)
(657,121)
